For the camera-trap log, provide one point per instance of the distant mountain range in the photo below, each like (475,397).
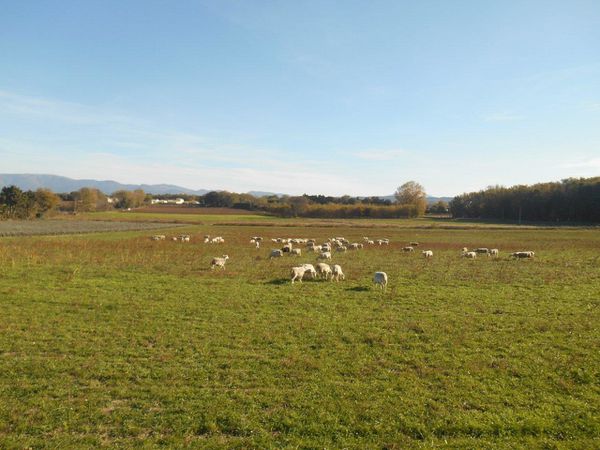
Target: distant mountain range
(60,184)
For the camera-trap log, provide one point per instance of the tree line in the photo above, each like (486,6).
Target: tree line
(410,201)
(18,204)
(572,199)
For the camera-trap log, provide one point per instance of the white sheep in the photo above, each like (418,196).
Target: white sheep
(219,262)
(380,279)
(408,249)
(427,254)
(341,249)
(296,251)
(337,273)
(470,255)
(526,254)
(324,255)
(276,253)
(297,273)
(464,250)
(310,269)
(324,270)
(494,252)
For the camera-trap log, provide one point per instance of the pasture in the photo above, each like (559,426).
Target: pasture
(111,339)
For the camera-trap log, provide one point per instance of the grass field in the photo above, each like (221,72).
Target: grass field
(45,227)
(111,339)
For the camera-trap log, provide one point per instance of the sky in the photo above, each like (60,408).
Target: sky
(317,97)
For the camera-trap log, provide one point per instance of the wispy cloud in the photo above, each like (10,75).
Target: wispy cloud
(503,117)
(380,154)
(593,163)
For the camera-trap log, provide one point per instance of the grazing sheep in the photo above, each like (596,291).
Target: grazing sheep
(337,273)
(527,254)
(324,255)
(427,254)
(380,279)
(296,251)
(297,273)
(276,254)
(470,255)
(158,237)
(287,248)
(341,249)
(408,249)
(310,269)
(465,250)
(219,262)
(354,246)
(494,252)
(370,242)
(324,270)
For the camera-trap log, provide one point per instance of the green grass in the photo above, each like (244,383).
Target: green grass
(114,340)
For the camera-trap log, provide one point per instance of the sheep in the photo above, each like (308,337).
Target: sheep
(427,254)
(481,250)
(257,244)
(324,270)
(219,262)
(286,248)
(470,255)
(297,273)
(526,254)
(310,269)
(370,242)
(380,279)
(341,249)
(383,241)
(158,237)
(494,252)
(354,246)
(464,250)
(184,238)
(296,251)
(324,255)
(276,254)
(408,249)
(337,273)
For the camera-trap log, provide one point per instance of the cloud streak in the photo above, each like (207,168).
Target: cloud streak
(380,154)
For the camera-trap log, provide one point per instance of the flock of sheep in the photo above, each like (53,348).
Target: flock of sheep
(324,251)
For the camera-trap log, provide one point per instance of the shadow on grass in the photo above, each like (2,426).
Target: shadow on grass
(278,281)
(358,289)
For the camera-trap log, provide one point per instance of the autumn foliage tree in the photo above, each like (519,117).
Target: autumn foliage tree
(413,194)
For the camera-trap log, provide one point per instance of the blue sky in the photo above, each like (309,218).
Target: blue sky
(346,97)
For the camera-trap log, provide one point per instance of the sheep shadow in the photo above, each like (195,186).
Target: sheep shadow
(278,281)
(358,289)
